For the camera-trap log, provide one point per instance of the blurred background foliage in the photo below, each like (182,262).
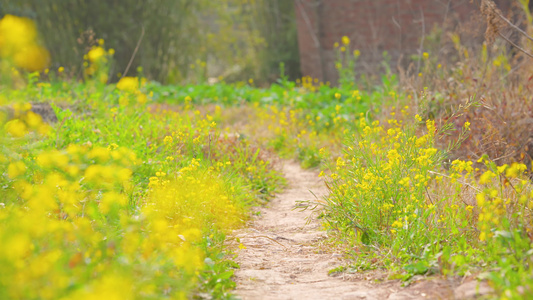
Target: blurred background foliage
(184,40)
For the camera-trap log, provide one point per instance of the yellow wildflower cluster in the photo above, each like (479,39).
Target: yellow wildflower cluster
(308,84)
(294,132)
(507,206)
(19,44)
(96,62)
(128,84)
(131,86)
(385,169)
(70,213)
(194,200)
(24,121)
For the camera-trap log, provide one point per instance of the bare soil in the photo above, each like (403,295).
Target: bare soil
(283,259)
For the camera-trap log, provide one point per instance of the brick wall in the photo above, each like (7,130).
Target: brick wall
(373,26)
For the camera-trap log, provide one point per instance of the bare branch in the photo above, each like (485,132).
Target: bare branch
(515,45)
(513,25)
(134,53)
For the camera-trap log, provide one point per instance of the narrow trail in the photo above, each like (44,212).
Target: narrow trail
(281,260)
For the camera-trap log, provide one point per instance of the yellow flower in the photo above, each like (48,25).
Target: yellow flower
(515,170)
(345,40)
(486,177)
(112,146)
(167,139)
(18,41)
(129,84)
(141,98)
(16,33)
(480,199)
(96,54)
(16,128)
(397,224)
(430,125)
(404,181)
(16,169)
(501,169)
(32,58)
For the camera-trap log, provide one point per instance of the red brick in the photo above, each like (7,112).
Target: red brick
(372,26)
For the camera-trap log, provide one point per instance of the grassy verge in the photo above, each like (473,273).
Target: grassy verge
(439,183)
(120,199)
(398,208)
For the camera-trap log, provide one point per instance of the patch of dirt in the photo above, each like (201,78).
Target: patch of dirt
(282,261)
(43,109)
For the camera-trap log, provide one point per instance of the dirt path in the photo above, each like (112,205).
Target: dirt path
(281,260)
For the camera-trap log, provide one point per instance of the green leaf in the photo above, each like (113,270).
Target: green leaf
(225,275)
(419,268)
(365,238)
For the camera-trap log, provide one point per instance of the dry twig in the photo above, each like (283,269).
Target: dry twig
(496,21)
(134,53)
